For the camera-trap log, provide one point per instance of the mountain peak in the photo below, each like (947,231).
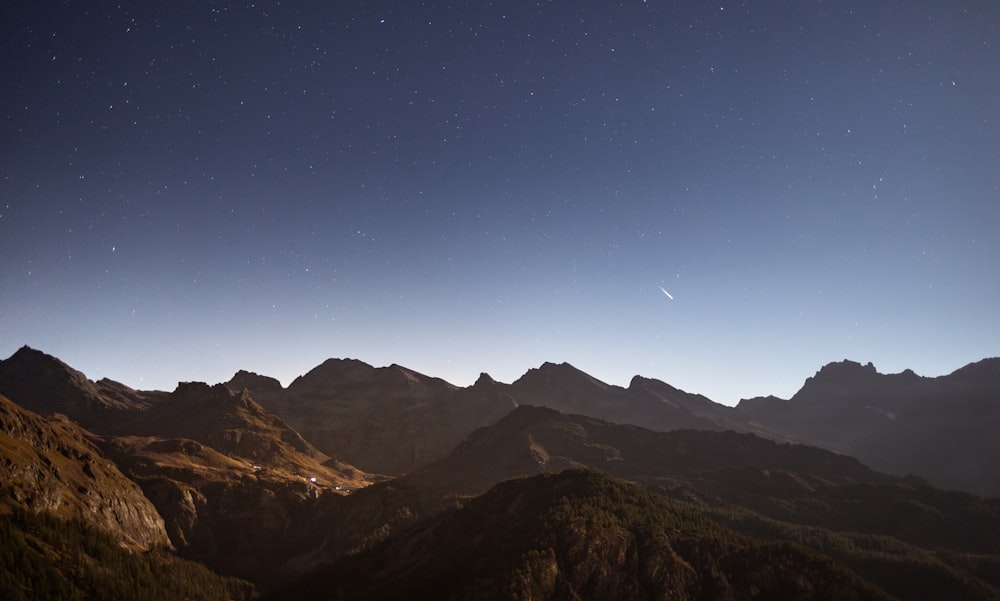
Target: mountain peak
(562,375)
(838,379)
(852,380)
(484,379)
(332,372)
(253,382)
(202,392)
(44,384)
(36,362)
(761,403)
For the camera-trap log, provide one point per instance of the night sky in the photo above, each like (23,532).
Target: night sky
(191,188)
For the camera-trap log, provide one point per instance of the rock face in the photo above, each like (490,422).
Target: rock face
(48,464)
(234,517)
(942,429)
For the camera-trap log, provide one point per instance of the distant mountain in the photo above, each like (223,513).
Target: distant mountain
(715,468)
(384,420)
(44,384)
(260,385)
(646,402)
(887,528)
(943,429)
(533,440)
(393,420)
(578,535)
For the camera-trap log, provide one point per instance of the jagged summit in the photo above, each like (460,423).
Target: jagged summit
(563,387)
(564,373)
(201,391)
(846,380)
(253,382)
(484,379)
(899,423)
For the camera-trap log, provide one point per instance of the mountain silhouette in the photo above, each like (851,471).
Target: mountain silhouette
(492,489)
(942,429)
(386,420)
(44,384)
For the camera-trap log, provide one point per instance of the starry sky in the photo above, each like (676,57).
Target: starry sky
(196,187)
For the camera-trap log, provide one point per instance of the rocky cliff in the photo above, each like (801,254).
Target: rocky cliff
(48,464)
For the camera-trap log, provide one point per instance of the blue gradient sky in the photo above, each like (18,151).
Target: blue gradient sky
(192,188)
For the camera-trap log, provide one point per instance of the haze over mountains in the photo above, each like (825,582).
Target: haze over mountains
(382,483)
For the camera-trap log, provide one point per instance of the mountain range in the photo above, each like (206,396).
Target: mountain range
(384,483)
(392,420)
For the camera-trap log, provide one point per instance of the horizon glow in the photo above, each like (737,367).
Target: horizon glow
(186,192)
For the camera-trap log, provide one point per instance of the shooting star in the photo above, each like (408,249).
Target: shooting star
(667,293)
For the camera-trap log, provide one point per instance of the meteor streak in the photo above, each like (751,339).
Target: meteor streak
(667,293)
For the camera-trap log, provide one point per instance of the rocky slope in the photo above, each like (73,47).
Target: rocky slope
(230,484)
(942,429)
(49,465)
